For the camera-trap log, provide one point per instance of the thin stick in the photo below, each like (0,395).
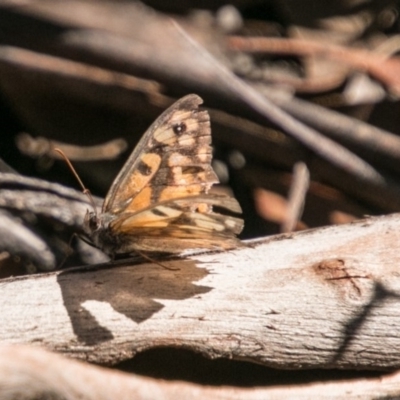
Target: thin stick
(39,146)
(333,152)
(296,197)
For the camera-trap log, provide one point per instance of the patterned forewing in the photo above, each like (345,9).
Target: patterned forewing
(172,160)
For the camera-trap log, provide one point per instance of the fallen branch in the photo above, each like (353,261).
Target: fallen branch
(323,298)
(29,373)
(375,63)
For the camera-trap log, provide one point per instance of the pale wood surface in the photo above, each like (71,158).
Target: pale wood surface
(322,298)
(28,373)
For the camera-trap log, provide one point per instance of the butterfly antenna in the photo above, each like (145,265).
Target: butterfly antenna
(85,190)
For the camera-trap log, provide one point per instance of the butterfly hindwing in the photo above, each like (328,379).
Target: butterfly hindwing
(190,222)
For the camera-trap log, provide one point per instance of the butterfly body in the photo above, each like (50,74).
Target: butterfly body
(159,202)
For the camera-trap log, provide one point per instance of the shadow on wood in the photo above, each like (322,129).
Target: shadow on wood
(129,290)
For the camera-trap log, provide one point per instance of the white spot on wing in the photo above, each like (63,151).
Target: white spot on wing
(205,222)
(230,223)
(170,212)
(203,153)
(186,140)
(178,159)
(165,136)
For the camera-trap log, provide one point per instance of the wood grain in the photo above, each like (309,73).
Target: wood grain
(323,298)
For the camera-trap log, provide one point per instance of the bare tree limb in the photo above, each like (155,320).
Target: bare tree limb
(27,373)
(324,298)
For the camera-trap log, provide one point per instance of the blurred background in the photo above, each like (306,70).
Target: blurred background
(303,98)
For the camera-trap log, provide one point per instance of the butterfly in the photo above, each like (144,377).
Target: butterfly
(160,200)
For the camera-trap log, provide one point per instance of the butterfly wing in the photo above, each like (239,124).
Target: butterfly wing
(159,201)
(172,160)
(175,225)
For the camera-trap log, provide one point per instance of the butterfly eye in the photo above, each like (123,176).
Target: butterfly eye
(93,221)
(179,128)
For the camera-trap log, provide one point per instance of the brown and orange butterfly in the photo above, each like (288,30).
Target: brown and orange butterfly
(159,202)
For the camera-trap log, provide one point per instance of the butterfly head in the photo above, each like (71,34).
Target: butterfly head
(91,223)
